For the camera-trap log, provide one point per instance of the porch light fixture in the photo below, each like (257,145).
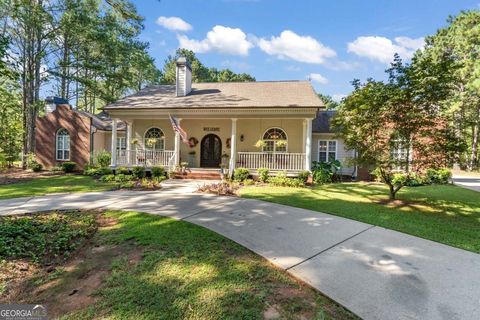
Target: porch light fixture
(242,137)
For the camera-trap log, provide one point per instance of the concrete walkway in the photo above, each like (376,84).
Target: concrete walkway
(469,182)
(374,272)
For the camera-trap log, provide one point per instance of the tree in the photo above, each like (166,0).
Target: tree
(378,119)
(200,73)
(330,104)
(454,50)
(86,50)
(10,109)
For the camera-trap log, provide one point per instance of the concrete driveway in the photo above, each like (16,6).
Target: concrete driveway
(374,272)
(472,183)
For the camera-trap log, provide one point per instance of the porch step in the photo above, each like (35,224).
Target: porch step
(209,174)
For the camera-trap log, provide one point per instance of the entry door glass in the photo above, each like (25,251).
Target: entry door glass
(211,151)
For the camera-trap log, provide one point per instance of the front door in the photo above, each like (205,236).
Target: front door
(211,151)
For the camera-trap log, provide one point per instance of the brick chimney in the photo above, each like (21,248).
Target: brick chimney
(51,103)
(183,83)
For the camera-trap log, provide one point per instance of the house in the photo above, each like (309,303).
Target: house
(279,125)
(66,134)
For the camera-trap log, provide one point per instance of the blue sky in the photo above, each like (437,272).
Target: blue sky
(330,42)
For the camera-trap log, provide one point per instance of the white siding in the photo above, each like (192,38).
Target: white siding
(343,155)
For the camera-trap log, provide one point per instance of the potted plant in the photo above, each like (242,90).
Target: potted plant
(225,159)
(260,144)
(183,167)
(281,143)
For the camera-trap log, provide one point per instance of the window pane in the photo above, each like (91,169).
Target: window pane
(66,155)
(269,147)
(66,142)
(281,148)
(332,146)
(331,156)
(59,155)
(322,146)
(322,156)
(60,143)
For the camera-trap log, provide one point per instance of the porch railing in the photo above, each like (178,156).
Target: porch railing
(145,158)
(273,161)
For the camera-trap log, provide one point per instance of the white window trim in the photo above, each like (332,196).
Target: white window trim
(275,146)
(63,150)
(327,140)
(410,155)
(145,139)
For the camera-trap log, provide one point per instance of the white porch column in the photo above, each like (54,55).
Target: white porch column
(113,162)
(233,147)
(177,146)
(304,129)
(129,139)
(308,145)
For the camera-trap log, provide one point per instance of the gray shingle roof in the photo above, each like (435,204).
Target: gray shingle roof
(321,124)
(102,121)
(225,95)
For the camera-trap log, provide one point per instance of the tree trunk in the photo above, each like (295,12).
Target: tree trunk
(475,138)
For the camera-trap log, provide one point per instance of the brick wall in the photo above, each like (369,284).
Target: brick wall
(78,127)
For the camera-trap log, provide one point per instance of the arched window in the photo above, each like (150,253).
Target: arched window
(154,139)
(63,144)
(275,140)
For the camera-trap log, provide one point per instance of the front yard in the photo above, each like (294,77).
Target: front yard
(53,184)
(141,266)
(442,213)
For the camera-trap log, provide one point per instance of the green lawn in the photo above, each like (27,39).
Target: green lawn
(153,267)
(443,213)
(55,184)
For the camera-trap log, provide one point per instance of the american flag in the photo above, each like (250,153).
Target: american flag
(177,128)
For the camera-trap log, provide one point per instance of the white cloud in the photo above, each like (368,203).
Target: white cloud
(383,49)
(338,97)
(290,45)
(317,77)
(220,39)
(174,23)
(292,68)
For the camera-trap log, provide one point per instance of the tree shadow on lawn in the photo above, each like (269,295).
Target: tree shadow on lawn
(455,223)
(179,271)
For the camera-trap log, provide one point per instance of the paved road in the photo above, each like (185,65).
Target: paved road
(472,183)
(374,272)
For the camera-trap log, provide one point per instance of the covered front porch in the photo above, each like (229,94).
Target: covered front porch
(278,143)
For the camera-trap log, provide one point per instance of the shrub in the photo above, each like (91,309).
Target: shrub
(241,174)
(56,168)
(138,172)
(221,188)
(438,176)
(105,170)
(149,183)
(416,180)
(35,166)
(248,182)
(68,166)
(104,158)
(107,178)
(44,237)
(122,170)
(303,175)
(159,179)
(93,172)
(281,180)
(158,172)
(127,184)
(123,177)
(322,172)
(263,174)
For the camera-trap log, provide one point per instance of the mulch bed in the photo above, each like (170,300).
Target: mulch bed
(15,175)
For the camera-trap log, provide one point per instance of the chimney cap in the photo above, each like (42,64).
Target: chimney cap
(183,61)
(56,100)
